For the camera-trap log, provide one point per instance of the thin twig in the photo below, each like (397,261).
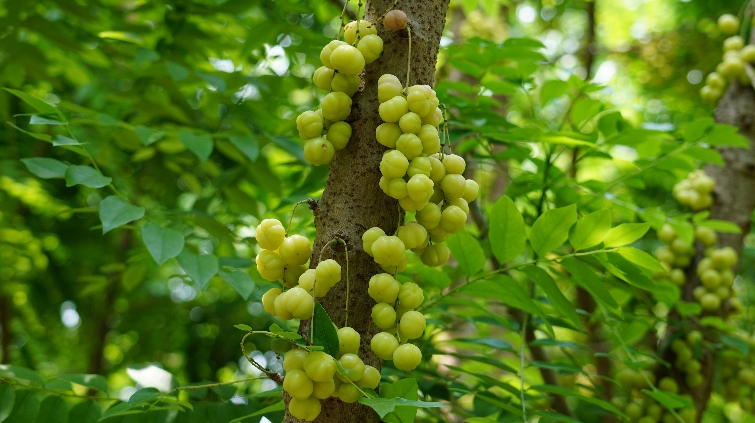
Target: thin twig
(291,219)
(409,59)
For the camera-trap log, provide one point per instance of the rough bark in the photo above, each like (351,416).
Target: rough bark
(352,201)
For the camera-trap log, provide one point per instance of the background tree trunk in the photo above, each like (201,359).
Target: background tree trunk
(352,201)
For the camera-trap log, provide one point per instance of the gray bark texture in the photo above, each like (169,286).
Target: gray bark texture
(352,201)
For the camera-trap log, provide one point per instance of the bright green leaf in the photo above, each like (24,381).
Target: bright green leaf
(641,258)
(46,168)
(7,399)
(115,212)
(325,331)
(87,176)
(240,281)
(544,280)
(200,268)
(585,276)
(243,327)
(624,234)
(590,230)
(467,252)
(669,400)
(551,229)
(507,235)
(85,412)
(721,226)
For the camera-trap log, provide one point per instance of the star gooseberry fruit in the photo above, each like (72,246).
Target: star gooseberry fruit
(407,357)
(305,409)
(339,135)
(295,250)
(347,60)
(327,51)
(270,234)
(384,345)
(365,28)
(318,151)
(348,341)
(369,237)
(309,124)
(388,251)
(393,109)
(383,288)
(336,106)
(270,265)
(370,46)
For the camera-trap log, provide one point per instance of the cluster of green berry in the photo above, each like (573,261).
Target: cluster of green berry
(738,375)
(639,407)
(736,55)
(695,191)
(314,376)
(675,255)
(717,278)
(325,129)
(687,351)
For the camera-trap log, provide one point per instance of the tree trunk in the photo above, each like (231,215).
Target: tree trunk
(352,201)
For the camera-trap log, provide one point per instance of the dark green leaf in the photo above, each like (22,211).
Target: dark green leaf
(726,135)
(325,331)
(115,212)
(548,285)
(240,281)
(53,410)
(737,344)
(46,168)
(247,144)
(10,371)
(590,230)
(25,408)
(147,135)
(507,235)
(404,388)
(467,252)
(278,406)
(560,390)
(85,412)
(91,381)
(384,406)
(200,268)
(143,395)
(87,176)
(551,229)
(585,276)
(7,400)
(40,105)
(162,243)
(669,400)
(201,144)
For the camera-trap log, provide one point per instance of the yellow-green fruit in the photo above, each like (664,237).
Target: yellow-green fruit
(679,246)
(409,145)
(295,250)
(715,80)
(305,409)
(418,249)
(299,303)
(347,60)
(354,363)
(309,124)
(347,84)
(323,78)
(728,24)
(389,87)
(420,188)
(420,166)
(678,277)
(323,390)
(394,188)
(318,151)
(435,255)
(429,216)
(428,134)
(434,118)
(412,234)
(411,295)
(298,384)
(383,288)
(453,186)
(370,46)
(319,366)
(383,345)
(281,310)
(667,234)
(327,51)
(395,269)
(388,251)
(694,380)
(454,164)
(363,27)
(471,190)
(268,299)
(710,279)
(734,43)
(722,292)
(294,360)
(460,203)
(410,205)
(710,302)
(309,282)
(652,414)
(698,292)
(706,236)
(328,272)
(410,123)
(727,277)
(438,234)
(422,99)
(731,68)
(370,378)
(387,134)
(437,171)
(669,385)
(369,237)
(709,95)
(348,341)
(291,275)
(394,164)
(412,325)
(339,134)
(325,123)
(393,109)
(453,219)
(348,393)
(664,255)
(407,357)
(336,106)
(748,53)
(270,265)
(383,315)
(270,234)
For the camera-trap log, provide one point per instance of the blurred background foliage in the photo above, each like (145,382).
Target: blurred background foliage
(139,78)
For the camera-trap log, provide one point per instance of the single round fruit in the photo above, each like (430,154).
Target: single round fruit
(429,216)
(270,265)
(306,409)
(383,345)
(336,106)
(410,205)
(319,366)
(388,251)
(370,46)
(387,134)
(706,236)
(664,255)
(347,60)
(299,303)
(453,186)
(710,279)
(370,378)
(471,190)
(395,20)
(323,78)
(298,384)
(460,203)
(395,269)
(389,87)
(435,255)
(295,250)
(328,272)
(748,53)
(669,385)
(383,288)
(369,237)
(348,393)
(411,295)
(318,151)
(410,123)
(328,50)
(281,310)
(453,219)
(409,145)
(437,234)
(394,188)
(680,247)
(678,277)
(434,118)
(710,302)
(354,363)
(715,80)
(421,99)
(454,164)
(428,134)
(667,234)
(270,234)
(309,124)
(394,164)
(339,135)
(347,84)
(268,299)
(364,28)
(437,171)
(420,188)
(420,166)
(294,360)
(412,234)
(734,43)
(728,24)
(412,325)
(383,315)
(348,341)
(323,390)
(291,275)
(393,109)
(407,357)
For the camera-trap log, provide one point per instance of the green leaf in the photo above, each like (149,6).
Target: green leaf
(706,155)
(201,144)
(585,276)
(278,406)
(39,120)
(60,140)
(544,280)
(243,327)
(696,129)
(200,268)
(247,144)
(552,89)
(115,212)
(560,390)
(551,229)
(53,410)
(737,344)
(641,258)
(488,342)
(240,281)
(721,226)
(87,176)
(25,408)
(467,252)
(46,168)
(121,36)
(507,235)
(143,395)
(624,234)
(40,105)
(85,412)
(147,135)
(669,400)
(10,371)
(176,71)
(90,381)
(688,309)
(325,331)
(7,399)
(726,135)
(162,243)
(591,230)
(384,406)
(404,388)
